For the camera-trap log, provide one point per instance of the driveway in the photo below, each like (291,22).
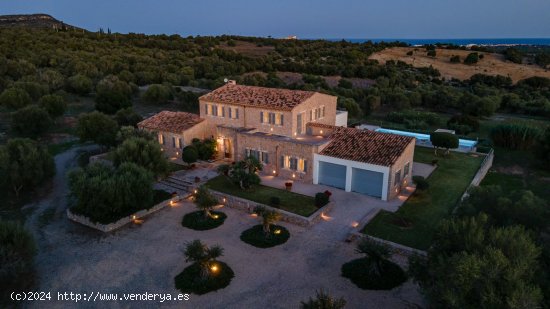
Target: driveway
(147,257)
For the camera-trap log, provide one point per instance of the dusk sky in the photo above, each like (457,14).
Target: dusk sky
(306,19)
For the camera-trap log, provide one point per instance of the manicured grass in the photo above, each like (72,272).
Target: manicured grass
(256,237)
(189,281)
(424,210)
(359,272)
(197,221)
(302,205)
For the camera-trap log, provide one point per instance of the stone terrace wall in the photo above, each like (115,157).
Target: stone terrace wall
(120,223)
(248,206)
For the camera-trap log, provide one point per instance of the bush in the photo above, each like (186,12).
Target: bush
(256,236)
(515,136)
(197,221)
(157,94)
(142,152)
(421,183)
(455,59)
(15,98)
(410,53)
(321,199)
(275,201)
(412,115)
(127,117)
(112,94)
(189,281)
(189,154)
(31,121)
(97,127)
(79,84)
(359,272)
(431,53)
(472,58)
(54,104)
(17,255)
(463,124)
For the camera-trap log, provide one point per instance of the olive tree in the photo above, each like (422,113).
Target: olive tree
(97,127)
(444,140)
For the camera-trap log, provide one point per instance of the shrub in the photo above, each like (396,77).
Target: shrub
(463,124)
(421,183)
(472,58)
(197,221)
(142,152)
(275,201)
(323,301)
(344,83)
(455,59)
(15,98)
(321,199)
(410,53)
(515,136)
(17,251)
(187,281)
(257,237)
(31,121)
(412,115)
(189,154)
(97,127)
(54,104)
(127,117)
(431,53)
(157,94)
(112,94)
(358,272)
(79,84)
(435,161)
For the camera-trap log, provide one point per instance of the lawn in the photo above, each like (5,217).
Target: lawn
(302,205)
(414,223)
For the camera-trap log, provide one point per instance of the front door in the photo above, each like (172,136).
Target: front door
(227,148)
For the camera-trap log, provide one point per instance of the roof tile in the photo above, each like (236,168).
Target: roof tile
(175,122)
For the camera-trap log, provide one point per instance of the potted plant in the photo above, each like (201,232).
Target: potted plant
(288,185)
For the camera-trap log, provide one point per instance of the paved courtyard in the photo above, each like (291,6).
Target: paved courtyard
(147,257)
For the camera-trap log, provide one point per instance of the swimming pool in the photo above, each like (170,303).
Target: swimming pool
(425,138)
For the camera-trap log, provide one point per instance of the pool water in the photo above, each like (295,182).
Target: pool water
(425,137)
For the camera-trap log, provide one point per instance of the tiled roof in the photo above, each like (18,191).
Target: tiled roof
(366,146)
(166,121)
(272,98)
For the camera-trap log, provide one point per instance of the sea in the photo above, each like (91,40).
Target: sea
(461,42)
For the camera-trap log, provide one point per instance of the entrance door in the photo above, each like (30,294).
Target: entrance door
(227,148)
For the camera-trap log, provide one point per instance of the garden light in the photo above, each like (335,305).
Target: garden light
(277,232)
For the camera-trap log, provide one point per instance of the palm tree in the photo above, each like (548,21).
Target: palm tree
(268,217)
(204,256)
(205,201)
(323,301)
(376,253)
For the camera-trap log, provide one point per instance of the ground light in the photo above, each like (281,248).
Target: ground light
(277,232)
(214,268)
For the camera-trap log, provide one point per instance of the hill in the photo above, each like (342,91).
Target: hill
(34,21)
(491,64)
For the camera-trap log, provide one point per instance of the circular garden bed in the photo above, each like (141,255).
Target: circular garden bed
(360,273)
(256,237)
(190,281)
(197,221)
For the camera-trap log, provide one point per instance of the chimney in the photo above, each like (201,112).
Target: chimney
(231,82)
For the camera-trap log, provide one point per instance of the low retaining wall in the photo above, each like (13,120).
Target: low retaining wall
(481,173)
(394,247)
(118,224)
(248,206)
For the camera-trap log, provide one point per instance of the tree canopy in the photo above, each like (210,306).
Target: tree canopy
(98,128)
(142,152)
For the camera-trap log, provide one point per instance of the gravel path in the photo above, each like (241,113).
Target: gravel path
(147,257)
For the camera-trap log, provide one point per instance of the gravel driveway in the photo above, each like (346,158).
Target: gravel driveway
(147,257)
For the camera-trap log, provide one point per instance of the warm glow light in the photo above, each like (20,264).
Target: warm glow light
(321,131)
(274,172)
(215,216)
(214,268)
(224,199)
(293,175)
(171,203)
(277,232)
(325,217)
(134,217)
(295,133)
(396,190)
(195,191)
(271,129)
(254,215)
(355,224)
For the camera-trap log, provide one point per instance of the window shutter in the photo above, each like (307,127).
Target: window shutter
(223,111)
(173,142)
(305,166)
(282,123)
(261,117)
(206,109)
(181,142)
(282,162)
(237,113)
(266,158)
(229,112)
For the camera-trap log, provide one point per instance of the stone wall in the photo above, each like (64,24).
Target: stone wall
(406,157)
(248,207)
(394,247)
(123,221)
(481,172)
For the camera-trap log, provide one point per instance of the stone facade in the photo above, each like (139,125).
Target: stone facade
(399,165)
(172,143)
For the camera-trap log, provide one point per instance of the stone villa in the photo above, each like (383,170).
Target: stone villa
(297,135)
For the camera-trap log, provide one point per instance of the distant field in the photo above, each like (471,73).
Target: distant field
(248,49)
(491,64)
